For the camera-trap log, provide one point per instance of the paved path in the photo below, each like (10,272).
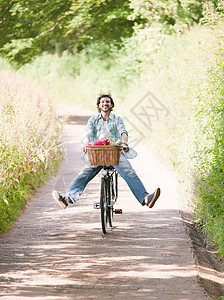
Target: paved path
(62,254)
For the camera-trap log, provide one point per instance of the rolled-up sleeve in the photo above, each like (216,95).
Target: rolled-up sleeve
(90,128)
(121,126)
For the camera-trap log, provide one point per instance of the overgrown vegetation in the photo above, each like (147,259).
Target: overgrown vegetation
(186,74)
(210,146)
(30,27)
(29,139)
(191,73)
(173,49)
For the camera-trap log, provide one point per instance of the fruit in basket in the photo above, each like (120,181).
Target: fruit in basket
(102,142)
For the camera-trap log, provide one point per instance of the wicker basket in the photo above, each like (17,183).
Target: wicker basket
(104,155)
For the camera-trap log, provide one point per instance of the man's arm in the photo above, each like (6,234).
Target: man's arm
(124,140)
(88,134)
(124,134)
(85,142)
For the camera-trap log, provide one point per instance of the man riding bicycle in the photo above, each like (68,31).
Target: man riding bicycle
(106,124)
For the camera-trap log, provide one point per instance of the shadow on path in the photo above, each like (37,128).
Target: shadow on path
(68,255)
(62,254)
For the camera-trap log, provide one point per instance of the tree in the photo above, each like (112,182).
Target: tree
(28,27)
(173,15)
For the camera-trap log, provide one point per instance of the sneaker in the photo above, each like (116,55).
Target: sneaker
(151,199)
(60,199)
(70,201)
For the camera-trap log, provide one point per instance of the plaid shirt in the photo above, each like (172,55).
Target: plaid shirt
(95,123)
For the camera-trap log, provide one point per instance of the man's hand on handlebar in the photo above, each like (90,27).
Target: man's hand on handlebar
(85,142)
(125,147)
(124,140)
(83,149)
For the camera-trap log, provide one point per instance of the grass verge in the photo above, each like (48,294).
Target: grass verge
(29,143)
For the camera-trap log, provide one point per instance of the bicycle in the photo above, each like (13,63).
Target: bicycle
(108,196)
(106,156)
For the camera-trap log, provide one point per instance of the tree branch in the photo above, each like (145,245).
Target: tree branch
(8,8)
(58,21)
(49,30)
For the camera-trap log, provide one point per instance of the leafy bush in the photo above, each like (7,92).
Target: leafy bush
(29,135)
(210,141)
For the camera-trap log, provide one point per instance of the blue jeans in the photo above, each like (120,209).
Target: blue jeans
(126,171)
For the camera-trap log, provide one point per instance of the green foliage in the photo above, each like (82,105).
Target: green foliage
(186,75)
(212,12)
(69,76)
(28,27)
(172,15)
(169,13)
(210,142)
(29,134)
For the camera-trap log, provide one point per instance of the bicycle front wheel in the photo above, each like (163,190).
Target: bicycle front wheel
(103,205)
(110,201)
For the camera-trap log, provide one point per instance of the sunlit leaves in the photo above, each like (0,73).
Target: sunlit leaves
(174,15)
(70,25)
(61,25)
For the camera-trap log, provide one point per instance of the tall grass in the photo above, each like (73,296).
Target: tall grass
(29,138)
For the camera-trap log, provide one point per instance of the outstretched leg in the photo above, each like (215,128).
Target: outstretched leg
(135,184)
(87,173)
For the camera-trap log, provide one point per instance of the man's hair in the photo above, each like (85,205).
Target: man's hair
(102,96)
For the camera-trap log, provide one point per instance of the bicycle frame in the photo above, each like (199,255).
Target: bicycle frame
(108,195)
(111,182)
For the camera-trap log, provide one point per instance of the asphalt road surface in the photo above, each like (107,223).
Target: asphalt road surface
(52,253)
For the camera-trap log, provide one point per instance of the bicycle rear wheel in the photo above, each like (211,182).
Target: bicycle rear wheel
(103,205)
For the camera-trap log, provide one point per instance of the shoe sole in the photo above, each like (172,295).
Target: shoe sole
(156,196)
(56,197)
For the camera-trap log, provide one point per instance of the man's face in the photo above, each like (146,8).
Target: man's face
(105,104)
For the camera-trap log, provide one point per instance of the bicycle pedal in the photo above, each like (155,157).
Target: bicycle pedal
(97,205)
(118,211)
